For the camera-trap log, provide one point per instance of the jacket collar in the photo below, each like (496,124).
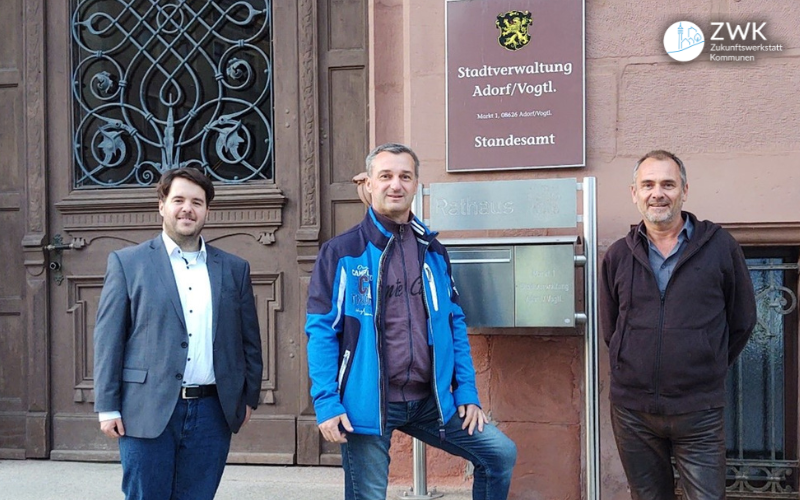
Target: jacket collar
(163,268)
(379,234)
(702,231)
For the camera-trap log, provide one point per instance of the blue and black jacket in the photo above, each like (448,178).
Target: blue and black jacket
(344,327)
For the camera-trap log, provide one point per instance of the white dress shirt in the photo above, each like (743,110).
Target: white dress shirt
(194,288)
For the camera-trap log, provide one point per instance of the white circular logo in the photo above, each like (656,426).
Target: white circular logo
(684,41)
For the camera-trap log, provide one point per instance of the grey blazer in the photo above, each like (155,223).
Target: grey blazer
(140,338)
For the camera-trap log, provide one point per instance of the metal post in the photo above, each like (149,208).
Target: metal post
(591,369)
(420,489)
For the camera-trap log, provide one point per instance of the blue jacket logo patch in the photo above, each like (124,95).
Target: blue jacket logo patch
(364,295)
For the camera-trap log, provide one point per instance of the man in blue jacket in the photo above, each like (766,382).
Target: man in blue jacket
(387,343)
(676,309)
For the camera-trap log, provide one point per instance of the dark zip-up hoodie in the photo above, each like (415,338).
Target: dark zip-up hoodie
(670,355)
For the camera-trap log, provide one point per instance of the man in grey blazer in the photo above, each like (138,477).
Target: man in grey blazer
(177,351)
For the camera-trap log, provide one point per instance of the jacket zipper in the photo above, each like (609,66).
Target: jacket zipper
(378,336)
(401,232)
(432,289)
(656,386)
(688,253)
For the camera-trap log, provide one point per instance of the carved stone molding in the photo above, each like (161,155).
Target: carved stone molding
(35,134)
(9,78)
(33,256)
(309,120)
(268,289)
(765,233)
(82,291)
(253,210)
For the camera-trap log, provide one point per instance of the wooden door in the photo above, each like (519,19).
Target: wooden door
(240,103)
(344,142)
(318,108)
(24,375)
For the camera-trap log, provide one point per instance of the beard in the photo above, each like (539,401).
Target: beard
(661,217)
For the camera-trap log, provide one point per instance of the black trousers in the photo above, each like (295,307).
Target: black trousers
(697,441)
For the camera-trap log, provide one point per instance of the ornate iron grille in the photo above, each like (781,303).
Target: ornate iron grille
(762,460)
(162,84)
(760,442)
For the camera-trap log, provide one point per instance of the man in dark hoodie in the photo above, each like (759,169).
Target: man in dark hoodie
(676,309)
(387,342)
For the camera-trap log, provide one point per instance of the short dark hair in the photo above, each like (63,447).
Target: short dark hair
(660,154)
(394,148)
(191,174)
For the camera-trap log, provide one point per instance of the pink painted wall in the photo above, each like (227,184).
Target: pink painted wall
(735,125)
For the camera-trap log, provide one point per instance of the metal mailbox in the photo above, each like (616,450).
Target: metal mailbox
(515,282)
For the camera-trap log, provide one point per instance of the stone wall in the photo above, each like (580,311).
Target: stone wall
(735,125)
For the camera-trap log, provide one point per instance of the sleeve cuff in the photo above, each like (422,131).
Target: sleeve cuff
(108,415)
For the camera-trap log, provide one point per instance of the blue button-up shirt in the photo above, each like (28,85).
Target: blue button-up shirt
(664,266)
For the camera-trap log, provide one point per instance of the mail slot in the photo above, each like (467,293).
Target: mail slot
(527,283)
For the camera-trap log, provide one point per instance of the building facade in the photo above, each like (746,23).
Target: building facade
(281,101)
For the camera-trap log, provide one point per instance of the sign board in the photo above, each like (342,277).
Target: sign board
(521,204)
(515,84)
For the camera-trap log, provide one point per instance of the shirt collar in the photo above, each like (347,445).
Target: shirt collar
(688,228)
(174,250)
(686,231)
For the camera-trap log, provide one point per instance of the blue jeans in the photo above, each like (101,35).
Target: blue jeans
(365,458)
(185,462)
(697,441)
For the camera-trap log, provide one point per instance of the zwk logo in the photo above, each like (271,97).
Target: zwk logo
(740,42)
(684,41)
(738,32)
